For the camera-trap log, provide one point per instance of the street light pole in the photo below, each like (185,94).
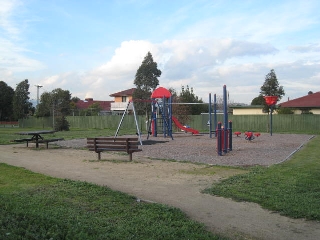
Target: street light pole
(38,87)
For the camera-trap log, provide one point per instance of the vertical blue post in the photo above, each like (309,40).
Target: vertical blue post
(154,118)
(164,116)
(271,108)
(170,116)
(210,118)
(225,110)
(215,114)
(230,135)
(219,142)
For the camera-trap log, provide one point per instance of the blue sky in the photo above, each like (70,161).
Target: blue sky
(94,48)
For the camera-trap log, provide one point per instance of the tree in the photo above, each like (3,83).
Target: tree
(146,80)
(6,97)
(94,109)
(283,110)
(187,96)
(258,100)
(21,105)
(57,104)
(271,86)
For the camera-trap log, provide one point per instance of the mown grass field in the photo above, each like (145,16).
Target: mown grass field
(35,206)
(291,188)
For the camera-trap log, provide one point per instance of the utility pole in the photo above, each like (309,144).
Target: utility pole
(38,87)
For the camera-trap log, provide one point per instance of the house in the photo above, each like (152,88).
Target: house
(121,100)
(248,110)
(85,104)
(306,104)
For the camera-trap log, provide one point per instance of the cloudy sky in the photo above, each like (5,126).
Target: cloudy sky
(94,48)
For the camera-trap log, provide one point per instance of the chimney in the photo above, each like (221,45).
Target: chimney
(88,99)
(310,92)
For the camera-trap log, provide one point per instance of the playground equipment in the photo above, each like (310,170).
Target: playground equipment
(271,101)
(135,119)
(222,132)
(162,106)
(186,129)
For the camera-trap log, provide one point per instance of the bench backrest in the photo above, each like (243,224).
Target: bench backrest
(113,144)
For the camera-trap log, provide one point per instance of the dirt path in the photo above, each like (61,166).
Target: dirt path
(164,182)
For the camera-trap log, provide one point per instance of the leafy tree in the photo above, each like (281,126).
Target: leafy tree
(93,109)
(45,106)
(75,99)
(180,111)
(146,80)
(6,97)
(187,96)
(57,100)
(283,110)
(258,100)
(21,105)
(61,124)
(55,103)
(271,86)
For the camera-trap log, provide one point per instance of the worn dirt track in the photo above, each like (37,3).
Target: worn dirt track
(164,182)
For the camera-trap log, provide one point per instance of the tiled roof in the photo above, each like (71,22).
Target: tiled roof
(127,92)
(105,105)
(308,101)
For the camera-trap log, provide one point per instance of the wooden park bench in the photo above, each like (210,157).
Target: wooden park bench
(128,145)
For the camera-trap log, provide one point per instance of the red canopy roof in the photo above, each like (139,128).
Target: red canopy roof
(161,92)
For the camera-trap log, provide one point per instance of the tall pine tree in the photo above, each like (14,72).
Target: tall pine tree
(146,80)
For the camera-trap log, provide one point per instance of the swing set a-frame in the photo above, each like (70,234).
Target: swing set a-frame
(162,107)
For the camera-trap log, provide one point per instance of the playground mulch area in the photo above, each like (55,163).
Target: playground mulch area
(264,150)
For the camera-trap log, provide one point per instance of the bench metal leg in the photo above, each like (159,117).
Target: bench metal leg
(99,155)
(130,156)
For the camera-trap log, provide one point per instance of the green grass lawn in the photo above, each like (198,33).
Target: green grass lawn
(35,206)
(291,188)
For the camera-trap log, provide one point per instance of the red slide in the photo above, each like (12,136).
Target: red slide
(179,125)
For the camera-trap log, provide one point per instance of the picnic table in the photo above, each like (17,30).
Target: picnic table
(37,137)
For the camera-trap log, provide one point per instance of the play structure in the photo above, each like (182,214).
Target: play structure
(161,115)
(162,119)
(222,132)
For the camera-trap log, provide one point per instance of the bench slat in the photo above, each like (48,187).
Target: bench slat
(128,145)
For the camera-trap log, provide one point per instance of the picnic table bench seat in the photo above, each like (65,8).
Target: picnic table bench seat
(46,141)
(22,140)
(27,140)
(101,144)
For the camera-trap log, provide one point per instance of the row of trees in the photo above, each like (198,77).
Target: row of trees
(15,104)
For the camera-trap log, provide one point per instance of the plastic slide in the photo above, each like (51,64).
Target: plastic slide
(179,125)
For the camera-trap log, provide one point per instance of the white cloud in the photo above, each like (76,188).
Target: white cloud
(6,10)
(315,47)
(13,58)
